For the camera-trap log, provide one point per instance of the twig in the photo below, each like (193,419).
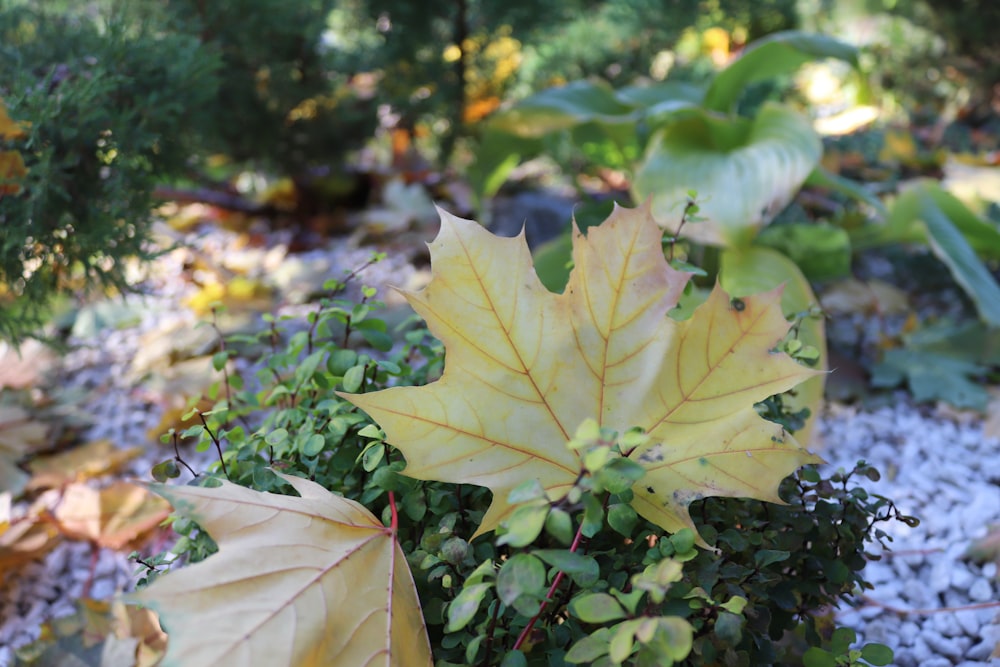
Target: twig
(521,638)
(924,612)
(177,456)
(218,445)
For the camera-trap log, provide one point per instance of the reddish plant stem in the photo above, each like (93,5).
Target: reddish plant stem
(392,508)
(521,638)
(925,612)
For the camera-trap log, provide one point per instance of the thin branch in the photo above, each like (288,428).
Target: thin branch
(924,612)
(521,638)
(218,445)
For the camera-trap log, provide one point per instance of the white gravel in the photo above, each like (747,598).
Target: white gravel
(943,472)
(931,605)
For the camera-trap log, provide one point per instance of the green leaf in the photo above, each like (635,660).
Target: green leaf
(822,251)
(562,108)
(497,154)
(877,654)
(729,628)
(559,525)
(619,475)
(622,640)
(528,490)
(552,262)
(312,445)
(583,569)
(308,366)
(766,557)
(522,575)
(524,525)
(683,541)
(353,378)
(593,516)
(590,648)
(932,376)
(465,606)
(951,247)
(817,657)
(340,361)
(777,54)
(842,639)
(379,340)
(622,519)
(276,437)
(165,470)
(514,659)
(673,638)
(824,178)
(596,608)
(745,171)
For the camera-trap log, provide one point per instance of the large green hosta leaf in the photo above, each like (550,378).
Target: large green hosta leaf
(564,108)
(775,55)
(955,235)
(744,170)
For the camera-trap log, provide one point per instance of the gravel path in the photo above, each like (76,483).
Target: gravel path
(948,475)
(943,472)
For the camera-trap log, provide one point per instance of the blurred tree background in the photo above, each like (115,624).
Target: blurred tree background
(107,101)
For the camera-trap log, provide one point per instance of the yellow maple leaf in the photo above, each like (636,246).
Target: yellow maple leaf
(526,367)
(311,581)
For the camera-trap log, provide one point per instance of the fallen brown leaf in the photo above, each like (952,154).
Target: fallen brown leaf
(93,459)
(115,517)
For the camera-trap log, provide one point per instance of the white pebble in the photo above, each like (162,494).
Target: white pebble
(980,651)
(981,590)
(942,645)
(961,578)
(946,624)
(908,633)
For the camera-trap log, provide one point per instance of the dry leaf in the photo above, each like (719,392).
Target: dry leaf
(93,459)
(10,128)
(104,633)
(18,436)
(238,293)
(114,517)
(855,296)
(991,426)
(27,539)
(22,368)
(310,581)
(526,367)
(12,169)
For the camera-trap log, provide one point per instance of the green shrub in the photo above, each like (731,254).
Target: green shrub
(633,589)
(106,110)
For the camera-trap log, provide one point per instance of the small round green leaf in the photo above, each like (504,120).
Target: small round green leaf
(524,525)
(312,445)
(596,608)
(465,605)
(521,575)
(877,654)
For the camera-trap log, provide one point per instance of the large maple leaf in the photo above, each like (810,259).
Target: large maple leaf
(310,581)
(525,367)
